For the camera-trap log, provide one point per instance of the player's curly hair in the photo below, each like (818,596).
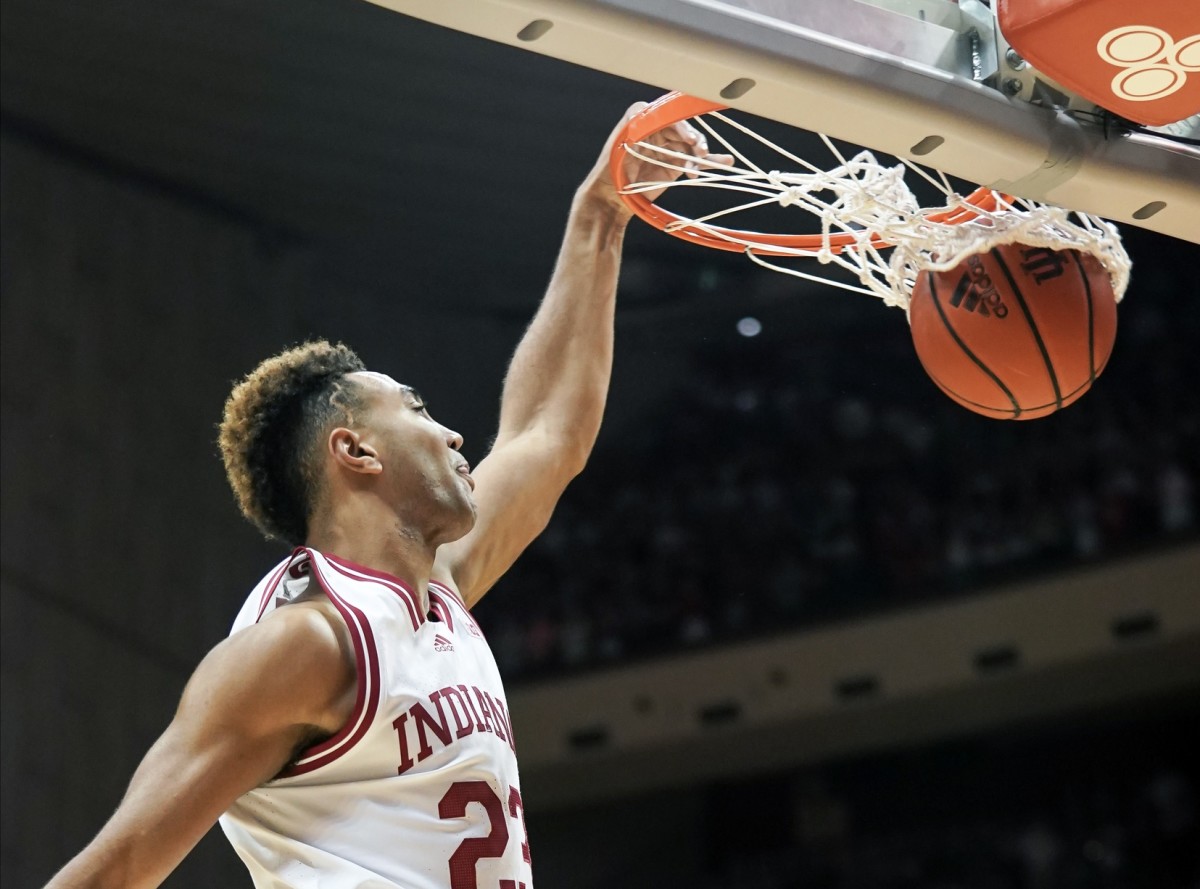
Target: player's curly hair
(273,424)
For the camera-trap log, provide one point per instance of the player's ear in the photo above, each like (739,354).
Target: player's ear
(351,451)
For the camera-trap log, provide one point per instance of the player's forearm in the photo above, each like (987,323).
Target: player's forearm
(105,865)
(558,380)
(136,850)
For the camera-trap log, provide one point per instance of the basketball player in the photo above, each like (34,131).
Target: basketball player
(352,731)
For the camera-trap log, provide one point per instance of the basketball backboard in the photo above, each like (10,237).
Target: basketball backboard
(929,80)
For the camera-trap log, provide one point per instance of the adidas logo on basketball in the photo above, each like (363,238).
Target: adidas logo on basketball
(1043,264)
(441,643)
(975,291)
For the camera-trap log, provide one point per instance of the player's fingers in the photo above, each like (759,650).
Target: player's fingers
(685,132)
(684,155)
(706,163)
(693,141)
(682,137)
(629,113)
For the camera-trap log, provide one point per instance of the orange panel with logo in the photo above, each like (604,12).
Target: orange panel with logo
(1140,60)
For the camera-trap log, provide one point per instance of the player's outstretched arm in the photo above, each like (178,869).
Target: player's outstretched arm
(557,382)
(253,701)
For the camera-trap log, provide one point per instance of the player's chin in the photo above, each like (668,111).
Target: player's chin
(458,526)
(467,515)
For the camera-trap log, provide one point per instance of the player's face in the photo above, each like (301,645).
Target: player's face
(424,477)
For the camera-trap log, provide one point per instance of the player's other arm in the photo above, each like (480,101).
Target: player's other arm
(557,382)
(253,701)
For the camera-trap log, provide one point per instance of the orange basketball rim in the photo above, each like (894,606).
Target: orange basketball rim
(676,107)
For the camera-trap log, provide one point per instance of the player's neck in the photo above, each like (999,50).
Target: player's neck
(381,542)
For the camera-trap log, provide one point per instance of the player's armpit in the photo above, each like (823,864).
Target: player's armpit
(252,701)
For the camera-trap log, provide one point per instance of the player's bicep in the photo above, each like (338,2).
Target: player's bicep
(233,730)
(255,699)
(516,488)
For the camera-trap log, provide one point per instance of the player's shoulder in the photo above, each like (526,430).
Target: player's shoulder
(293,665)
(309,626)
(300,642)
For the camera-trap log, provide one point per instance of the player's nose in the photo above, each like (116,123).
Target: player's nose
(453,439)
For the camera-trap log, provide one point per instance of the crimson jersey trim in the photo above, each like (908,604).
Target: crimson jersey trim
(366,701)
(454,597)
(395,584)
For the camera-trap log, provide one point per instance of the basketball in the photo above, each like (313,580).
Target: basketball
(1017,332)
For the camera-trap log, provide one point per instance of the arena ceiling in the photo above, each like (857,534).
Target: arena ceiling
(397,146)
(334,120)
(404,150)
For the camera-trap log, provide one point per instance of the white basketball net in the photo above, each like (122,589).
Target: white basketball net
(868,201)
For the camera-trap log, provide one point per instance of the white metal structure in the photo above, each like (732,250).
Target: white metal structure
(929,80)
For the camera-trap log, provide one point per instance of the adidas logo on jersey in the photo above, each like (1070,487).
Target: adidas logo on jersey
(975,291)
(441,643)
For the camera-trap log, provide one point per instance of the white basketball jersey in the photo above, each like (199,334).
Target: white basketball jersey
(419,789)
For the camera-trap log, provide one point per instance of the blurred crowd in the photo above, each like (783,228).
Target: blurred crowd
(1035,817)
(826,478)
